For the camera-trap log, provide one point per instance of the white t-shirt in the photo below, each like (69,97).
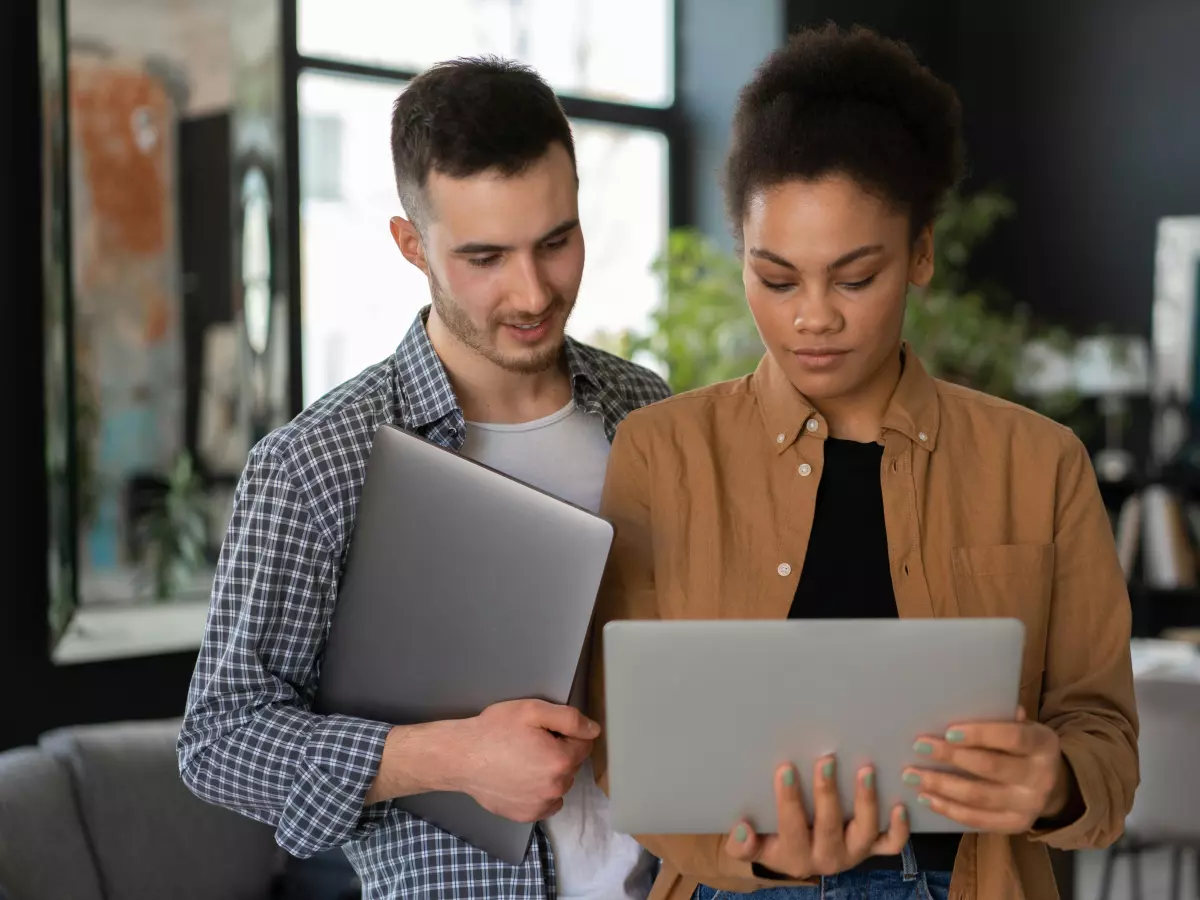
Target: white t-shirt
(566,454)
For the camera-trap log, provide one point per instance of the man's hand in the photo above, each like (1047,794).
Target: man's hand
(522,756)
(1020,775)
(830,846)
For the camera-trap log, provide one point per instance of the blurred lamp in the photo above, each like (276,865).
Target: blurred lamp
(1111,368)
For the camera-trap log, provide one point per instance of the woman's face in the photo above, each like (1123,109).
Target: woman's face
(827,267)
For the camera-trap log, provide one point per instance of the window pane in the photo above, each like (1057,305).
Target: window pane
(359,293)
(620,50)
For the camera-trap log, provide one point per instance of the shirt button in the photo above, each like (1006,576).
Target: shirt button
(812,425)
(805,469)
(780,438)
(923,436)
(784,569)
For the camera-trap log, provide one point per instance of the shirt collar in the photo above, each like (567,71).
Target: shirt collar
(913,410)
(428,397)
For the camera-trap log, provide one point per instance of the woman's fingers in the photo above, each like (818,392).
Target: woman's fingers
(892,841)
(743,843)
(863,830)
(829,822)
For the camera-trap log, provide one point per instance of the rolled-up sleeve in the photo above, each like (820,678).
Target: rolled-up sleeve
(1087,694)
(249,741)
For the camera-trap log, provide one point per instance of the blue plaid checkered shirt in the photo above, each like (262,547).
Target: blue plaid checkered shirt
(249,741)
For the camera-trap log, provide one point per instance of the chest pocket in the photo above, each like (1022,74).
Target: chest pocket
(1012,581)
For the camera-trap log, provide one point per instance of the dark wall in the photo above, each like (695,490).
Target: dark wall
(1087,113)
(37,694)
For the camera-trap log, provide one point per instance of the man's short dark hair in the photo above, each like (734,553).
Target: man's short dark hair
(833,101)
(470,115)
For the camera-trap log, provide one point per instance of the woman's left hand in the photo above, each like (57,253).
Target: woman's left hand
(1020,775)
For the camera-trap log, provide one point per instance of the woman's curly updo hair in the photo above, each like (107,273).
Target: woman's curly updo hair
(849,102)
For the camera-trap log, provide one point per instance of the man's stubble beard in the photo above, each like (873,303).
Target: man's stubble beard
(459,324)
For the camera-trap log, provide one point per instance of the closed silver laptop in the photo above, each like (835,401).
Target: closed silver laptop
(462,588)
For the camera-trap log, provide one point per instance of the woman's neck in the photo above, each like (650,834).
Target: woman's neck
(858,416)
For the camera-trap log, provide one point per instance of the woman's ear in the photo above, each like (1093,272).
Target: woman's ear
(408,239)
(920,266)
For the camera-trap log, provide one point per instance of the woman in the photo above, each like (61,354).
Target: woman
(840,480)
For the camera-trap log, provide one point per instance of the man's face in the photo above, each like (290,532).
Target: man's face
(827,267)
(504,256)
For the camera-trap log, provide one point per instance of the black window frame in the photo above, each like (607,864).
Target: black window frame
(665,120)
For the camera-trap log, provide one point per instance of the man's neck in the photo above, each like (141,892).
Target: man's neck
(859,416)
(487,392)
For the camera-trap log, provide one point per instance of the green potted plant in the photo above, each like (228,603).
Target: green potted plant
(174,536)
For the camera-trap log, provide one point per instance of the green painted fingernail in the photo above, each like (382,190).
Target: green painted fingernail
(923,747)
(742,834)
(827,769)
(903,814)
(789,776)
(923,800)
(955,736)
(869,780)
(912,778)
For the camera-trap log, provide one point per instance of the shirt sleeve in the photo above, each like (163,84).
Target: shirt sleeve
(628,592)
(1087,694)
(249,741)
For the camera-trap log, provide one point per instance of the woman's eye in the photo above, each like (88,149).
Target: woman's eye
(857,285)
(777,286)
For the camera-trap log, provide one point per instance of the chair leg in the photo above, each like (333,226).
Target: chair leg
(1135,874)
(1110,863)
(1177,873)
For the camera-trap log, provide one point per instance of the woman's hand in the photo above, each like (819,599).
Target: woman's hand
(831,845)
(1020,775)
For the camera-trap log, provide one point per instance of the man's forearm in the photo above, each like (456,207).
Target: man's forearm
(418,759)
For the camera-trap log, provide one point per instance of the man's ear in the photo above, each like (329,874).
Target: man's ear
(408,239)
(920,267)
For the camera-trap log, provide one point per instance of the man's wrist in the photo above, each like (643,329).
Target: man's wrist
(418,759)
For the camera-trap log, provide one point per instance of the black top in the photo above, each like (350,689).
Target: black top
(846,575)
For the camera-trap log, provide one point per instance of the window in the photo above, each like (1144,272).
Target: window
(616,50)
(358,295)
(321,156)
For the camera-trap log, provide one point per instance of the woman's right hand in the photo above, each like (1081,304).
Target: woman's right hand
(831,845)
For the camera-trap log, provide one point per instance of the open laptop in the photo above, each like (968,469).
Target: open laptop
(701,714)
(462,588)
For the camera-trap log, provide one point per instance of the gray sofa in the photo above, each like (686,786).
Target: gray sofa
(98,812)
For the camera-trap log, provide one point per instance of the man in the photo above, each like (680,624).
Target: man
(485,168)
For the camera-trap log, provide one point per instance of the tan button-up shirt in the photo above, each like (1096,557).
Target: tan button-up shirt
(991,510)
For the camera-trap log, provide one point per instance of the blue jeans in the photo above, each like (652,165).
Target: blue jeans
(880,884)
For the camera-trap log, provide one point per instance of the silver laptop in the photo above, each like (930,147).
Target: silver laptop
(701,714)
(462,588)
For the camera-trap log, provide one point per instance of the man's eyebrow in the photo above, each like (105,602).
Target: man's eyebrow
(476,248)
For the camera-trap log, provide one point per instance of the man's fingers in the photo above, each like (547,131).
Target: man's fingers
(863,829)
(564,720)
(577,750)
(892,841)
